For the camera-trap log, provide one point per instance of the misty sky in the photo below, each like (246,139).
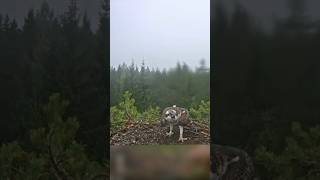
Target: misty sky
(162,32)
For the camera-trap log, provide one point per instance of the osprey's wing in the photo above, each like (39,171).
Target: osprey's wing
(184,117)
(231,163)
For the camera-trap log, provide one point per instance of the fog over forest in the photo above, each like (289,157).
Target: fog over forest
(160,32)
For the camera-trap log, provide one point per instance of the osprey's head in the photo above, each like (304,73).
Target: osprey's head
(169,116)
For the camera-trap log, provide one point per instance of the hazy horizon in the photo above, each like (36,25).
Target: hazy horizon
(139,65)
(160,32)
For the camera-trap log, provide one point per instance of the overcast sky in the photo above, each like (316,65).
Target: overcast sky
(162,32)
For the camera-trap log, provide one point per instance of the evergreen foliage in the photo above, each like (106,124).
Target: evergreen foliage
(54,152)
(298,160)
(201,112)
(52,53)
(265,79)
(180,85)
(126,112)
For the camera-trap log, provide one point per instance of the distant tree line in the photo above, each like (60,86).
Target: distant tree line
(179,86)
(50,54)
(265,80)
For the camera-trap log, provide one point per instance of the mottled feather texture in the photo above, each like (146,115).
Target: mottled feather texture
(175,115)
(230,163)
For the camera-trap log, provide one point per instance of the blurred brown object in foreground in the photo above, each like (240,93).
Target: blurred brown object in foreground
(160,162)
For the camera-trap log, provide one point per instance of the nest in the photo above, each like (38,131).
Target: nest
(143,133)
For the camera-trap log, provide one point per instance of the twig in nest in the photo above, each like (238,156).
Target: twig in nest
(192,132)
(205,133)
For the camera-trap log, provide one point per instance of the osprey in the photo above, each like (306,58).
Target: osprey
(231,163)
(175,116)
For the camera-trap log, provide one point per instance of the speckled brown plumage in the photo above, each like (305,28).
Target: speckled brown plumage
(229,163)
(175,116)
(183,116)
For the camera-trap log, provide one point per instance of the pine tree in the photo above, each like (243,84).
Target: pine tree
(298,160)
(54,151)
